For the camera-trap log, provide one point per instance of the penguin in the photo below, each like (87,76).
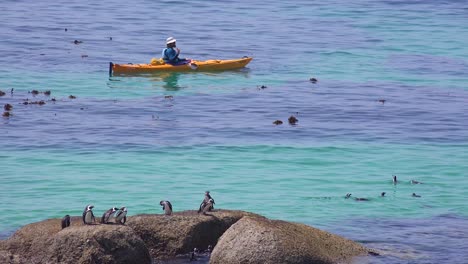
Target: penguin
(167,207)
(415,195)
(205,201)
(415,182)
(361,199)
(65,221)
(193,254)
(348,195)
(382,194)
(207,206)
(121,216)
(106,217)
(209,249)
(88,216)
(395,179)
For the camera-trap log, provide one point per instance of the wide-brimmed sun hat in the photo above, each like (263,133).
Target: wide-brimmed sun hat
(170,40)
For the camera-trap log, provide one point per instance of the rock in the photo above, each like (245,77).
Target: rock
(259,240)
(169,236)
(7,257)
(46,242)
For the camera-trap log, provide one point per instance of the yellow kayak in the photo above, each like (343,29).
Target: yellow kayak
(194,65)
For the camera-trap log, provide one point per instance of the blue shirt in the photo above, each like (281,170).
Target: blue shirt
(170,55)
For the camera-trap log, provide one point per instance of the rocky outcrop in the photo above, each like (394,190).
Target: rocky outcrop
(168,236)
(46,242)
(142,238)
(237,237)
(260,240)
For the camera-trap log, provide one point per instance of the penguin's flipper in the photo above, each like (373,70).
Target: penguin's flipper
(124,220)
(201,206)
(170,205)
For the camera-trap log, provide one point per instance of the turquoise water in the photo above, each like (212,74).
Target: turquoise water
(123,142)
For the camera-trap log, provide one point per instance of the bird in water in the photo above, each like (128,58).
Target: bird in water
(382,194)
(415,182)
(88,216)
(205,201)
(348,195)
(167,207)
(108,215)
(66,221)
(361,199)
(121,216)
(395,181)
(415,195)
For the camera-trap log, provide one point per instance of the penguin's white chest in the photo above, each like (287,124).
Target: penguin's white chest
(88,217)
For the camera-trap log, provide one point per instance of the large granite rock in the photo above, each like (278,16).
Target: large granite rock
(260,240)
(46,242)
(168,236)
(237,237)
(142,238)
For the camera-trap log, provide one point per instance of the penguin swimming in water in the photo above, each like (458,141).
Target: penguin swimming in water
(205,201)
(361,199)
(415,182)
(106,217)
(382,194)
(415,195)
(395,179)
(121,216)
(65,221)
(167,207)
(348,195)
(88,216)
(206,207)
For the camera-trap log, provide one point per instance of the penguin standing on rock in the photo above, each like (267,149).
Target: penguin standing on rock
(88,216)
(193,254)
(106,217)
(205,201)
(65,221)
(206,207)
(167,207)
(121,216)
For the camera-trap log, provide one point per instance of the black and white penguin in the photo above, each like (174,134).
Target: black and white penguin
(415,195)
(205,201)
(106,217)
(395,179)
(361,199)
(382,194)
(167,207)
(193,254)
(65,221)
(121,216)
(88,216)
(206,207)
(348,195)
(415,182)
(209,249)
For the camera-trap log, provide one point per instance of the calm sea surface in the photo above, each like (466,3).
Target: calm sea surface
(134,141)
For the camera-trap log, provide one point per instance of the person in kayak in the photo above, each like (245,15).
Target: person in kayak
(171,53)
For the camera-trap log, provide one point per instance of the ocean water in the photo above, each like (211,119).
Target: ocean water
(135,140)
